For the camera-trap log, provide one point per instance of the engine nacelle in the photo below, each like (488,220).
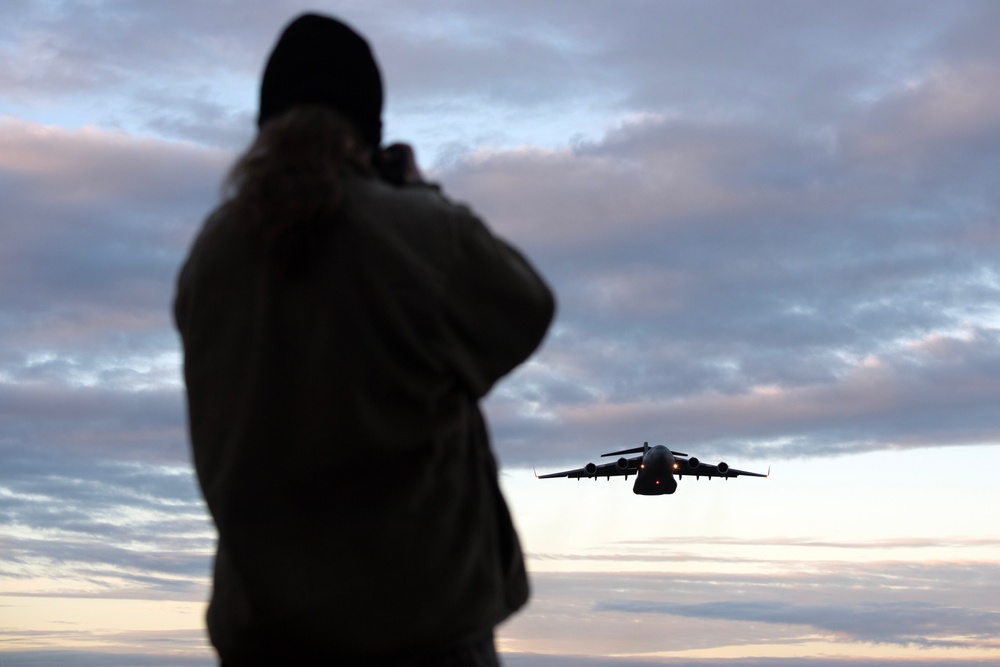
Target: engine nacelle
(590,468)
(693,463)
(723,467)
(622,463)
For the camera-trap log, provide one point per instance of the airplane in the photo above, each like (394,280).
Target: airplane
(654,471)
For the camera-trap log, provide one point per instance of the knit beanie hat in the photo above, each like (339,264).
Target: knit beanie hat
(319,60)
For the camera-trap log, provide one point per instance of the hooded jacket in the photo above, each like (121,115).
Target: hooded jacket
(336,430)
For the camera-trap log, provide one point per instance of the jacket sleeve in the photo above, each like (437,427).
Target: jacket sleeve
(498,307)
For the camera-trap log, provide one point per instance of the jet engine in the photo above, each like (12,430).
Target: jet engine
(590,468)
(693,463)
(723,467)
(622,463)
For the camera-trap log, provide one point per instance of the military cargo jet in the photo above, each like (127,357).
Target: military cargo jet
(654,471)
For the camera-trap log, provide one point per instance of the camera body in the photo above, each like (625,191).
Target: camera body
(395,164)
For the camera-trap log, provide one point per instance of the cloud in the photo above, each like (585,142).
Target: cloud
(96,223)
(570,660)
(94,230)
(791,278)
(882,545)
(167,643)
(117,424)
(930,605)
(904,623)
(80,528)
(724,274)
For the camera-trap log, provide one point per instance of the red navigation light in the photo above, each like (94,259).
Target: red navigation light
(657,481)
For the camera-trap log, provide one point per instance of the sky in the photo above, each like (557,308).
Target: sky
(773,229)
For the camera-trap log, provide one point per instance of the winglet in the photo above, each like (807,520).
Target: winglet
(536,472)
(768,471)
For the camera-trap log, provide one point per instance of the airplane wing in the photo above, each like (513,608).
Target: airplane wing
(697,468)
(602,470)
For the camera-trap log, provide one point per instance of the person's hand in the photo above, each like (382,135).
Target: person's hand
(397,164)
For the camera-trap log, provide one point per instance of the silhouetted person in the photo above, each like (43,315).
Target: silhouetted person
(338,333)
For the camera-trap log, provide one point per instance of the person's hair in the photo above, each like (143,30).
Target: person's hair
(285,189)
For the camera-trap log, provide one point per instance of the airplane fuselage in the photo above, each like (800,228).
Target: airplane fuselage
(655,476)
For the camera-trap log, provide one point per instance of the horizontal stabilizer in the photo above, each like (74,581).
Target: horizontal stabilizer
(634,450)
(639,450)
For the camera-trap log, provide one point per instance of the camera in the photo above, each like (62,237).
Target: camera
(395,164)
